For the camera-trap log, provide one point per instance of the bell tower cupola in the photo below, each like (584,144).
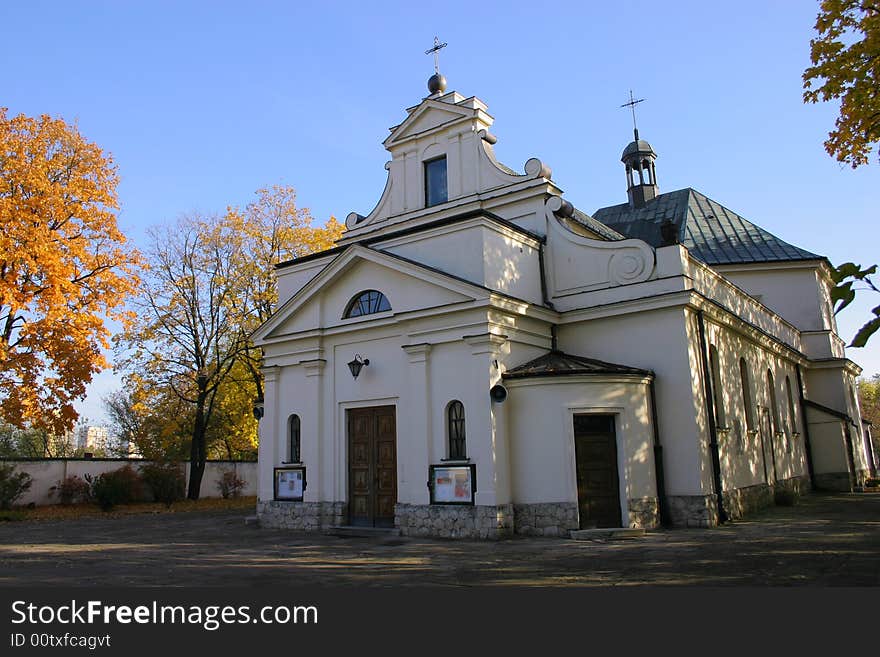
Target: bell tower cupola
(638,159)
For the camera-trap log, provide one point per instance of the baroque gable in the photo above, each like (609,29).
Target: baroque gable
(453,129)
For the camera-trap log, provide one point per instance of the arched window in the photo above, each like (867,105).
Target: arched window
(294,439)
(747,394)
(366,303)
(717,390)
(455,429)
(774,408)
(792,416)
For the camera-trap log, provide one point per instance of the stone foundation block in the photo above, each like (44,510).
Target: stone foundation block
(693,510)
(555,519)
(437,520)
(305,516)
(644,512)
(740,502)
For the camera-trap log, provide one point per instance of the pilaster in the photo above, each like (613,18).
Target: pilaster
(486,426)
(420,442)
(312,442)
(268,431)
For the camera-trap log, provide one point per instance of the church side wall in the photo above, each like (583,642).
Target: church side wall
(761,450)
(840,454)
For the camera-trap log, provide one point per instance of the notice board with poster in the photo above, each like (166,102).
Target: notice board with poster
(452,484)
(290,482)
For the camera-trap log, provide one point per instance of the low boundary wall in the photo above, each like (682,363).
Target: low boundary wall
(46,473)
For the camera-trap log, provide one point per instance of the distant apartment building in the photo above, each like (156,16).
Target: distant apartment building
(92,438)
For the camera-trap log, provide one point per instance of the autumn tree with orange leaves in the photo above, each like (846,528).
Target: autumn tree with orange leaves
(64,268)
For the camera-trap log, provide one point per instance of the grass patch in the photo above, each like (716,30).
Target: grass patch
(77,511)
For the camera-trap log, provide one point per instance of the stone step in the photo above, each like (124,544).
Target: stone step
(349,531)
(607,533)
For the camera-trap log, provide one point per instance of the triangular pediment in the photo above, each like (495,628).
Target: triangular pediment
(429,115)
(409,287)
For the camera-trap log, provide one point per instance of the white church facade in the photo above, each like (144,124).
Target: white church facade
(478,358)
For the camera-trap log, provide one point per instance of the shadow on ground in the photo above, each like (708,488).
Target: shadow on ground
(831,540)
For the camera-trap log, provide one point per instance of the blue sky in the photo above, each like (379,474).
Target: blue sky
(201,104)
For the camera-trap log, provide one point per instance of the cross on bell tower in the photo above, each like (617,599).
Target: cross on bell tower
(632,105)
(638,158)
(437,82)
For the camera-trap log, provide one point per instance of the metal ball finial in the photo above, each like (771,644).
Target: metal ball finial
(437,83)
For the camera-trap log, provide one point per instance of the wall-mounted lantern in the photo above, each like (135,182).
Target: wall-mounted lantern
(258,408)
(357,365)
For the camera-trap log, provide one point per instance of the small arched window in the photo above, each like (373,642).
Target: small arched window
(747,394)
(294,439)
(791,412)
(367,302)
(717,390)
(456,430)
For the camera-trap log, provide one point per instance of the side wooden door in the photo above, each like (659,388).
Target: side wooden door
(595,446)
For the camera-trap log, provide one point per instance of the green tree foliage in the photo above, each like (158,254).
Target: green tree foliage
(33,442)
(846,66)
(846,277)
(12,485)
(869,401)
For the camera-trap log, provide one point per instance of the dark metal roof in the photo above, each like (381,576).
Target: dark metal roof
(640,146)
(557,363)
(711,232)
(596,226)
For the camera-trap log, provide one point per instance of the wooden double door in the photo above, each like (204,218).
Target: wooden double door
(372,466)
(598,483)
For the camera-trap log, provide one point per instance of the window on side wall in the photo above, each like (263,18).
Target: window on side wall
(294,439)
(456,430)
(717,390)
(436,190)
(747,395)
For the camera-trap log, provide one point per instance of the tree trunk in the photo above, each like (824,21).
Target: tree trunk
(198,451)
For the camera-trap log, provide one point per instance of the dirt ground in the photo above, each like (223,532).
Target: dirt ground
(825,540)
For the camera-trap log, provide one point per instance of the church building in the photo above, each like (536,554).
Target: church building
(477,357)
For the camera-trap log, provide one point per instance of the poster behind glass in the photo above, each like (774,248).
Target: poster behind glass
(290,483)
(453,484)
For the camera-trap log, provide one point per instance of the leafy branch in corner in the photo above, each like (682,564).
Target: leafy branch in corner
(843,294)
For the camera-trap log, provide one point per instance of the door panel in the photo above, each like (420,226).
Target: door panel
(372,466)
(596,466)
